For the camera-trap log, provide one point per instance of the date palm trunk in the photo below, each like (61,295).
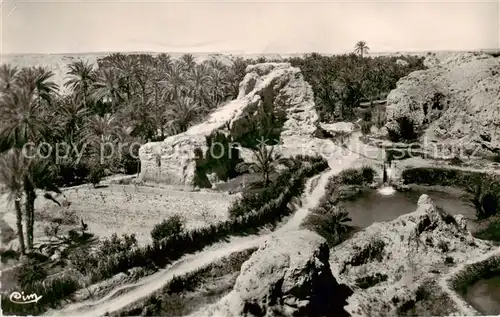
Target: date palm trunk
(30,213)
(19,223)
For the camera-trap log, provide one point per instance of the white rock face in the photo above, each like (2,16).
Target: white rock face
(172,161)
(408,251)
(288,276)
(457,99)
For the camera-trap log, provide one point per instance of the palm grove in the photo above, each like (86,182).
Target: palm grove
(121,100)
(131,99)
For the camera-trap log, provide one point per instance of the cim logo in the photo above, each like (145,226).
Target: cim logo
(20,298)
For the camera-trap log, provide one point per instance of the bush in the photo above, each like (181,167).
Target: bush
(30,273)
(7,254)
(351,176)
(97,173)
(168,227)
(492,232)
(366,127)
(368,173)
(331,224)
(370,280)
(405,130)
(53,293)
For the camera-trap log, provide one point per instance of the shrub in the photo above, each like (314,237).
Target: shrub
(30,273)
(97,173)
(370,280)
(368,173)
(168,227)
(443,246)
(7,254)
(331,224)
(351,176)
(366,127)
(492,232)
(54,292)
(405,130)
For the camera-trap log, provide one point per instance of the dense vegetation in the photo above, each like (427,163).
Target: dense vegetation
(483,189)
(341,82)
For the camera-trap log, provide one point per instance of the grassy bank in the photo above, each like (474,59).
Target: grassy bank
(475,272)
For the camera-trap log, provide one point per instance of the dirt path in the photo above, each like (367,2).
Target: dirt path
(117,300)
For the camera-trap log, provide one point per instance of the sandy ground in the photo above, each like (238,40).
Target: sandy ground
(137,209)
(125,209)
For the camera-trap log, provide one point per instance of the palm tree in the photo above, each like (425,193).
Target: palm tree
(108,86)
(22,119)
(331,224)
(38,175)
(71,114)
(12,169)
(36,80)
(174,83)
(126,65)
(361,48)
(183,111)
(163,62)
(81,77)
(198,80)
(8,77)
(188,61)
(217,82)
(98,127)
(265,162)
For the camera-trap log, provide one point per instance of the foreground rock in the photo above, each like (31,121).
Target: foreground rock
(288,276)
(393,266)
(276,84)
(457,101)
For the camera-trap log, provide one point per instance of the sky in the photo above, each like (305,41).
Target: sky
(247,26)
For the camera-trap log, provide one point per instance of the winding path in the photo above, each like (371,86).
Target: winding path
(118,299)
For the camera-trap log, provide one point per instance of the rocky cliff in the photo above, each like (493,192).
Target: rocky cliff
(394,266)
(277,84)
(456,100)
(288,276)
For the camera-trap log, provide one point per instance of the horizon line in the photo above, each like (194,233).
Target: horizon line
(254,53)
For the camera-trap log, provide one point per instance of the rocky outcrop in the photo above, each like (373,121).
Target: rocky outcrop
(388,264)
(288,276)
(278,85)
(456,100)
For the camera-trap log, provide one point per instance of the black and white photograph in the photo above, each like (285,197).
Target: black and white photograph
(230,158)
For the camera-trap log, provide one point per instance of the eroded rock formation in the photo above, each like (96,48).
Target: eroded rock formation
(457,101)
(276,85)
(388,263)
(288,276)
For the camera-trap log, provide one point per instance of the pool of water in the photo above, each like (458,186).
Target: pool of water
(374,207)
(485,296)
